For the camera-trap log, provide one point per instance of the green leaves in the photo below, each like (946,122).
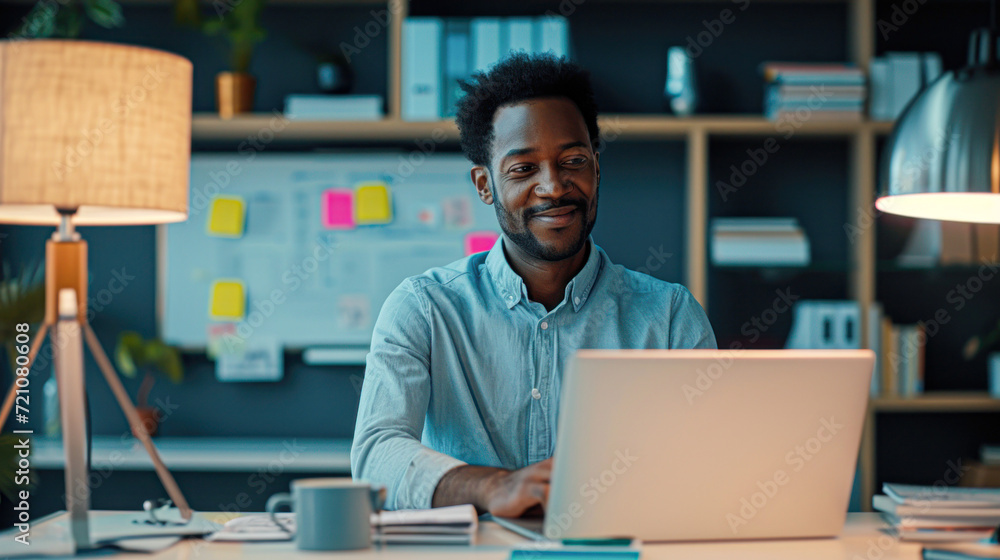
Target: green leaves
(40,22)
(134,354)
(187,13)
(238,20)
(22,300)
(65,19)
(106,13)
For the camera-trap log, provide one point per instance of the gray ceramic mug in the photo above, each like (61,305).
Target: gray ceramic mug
(330,513)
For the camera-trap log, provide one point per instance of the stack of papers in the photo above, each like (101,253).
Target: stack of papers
(759,242)
(934,514)
(449,525)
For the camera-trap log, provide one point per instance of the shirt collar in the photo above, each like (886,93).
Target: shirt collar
(511,287)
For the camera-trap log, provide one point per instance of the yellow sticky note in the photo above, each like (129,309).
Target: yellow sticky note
(372,204)
(227,301)
(227,216)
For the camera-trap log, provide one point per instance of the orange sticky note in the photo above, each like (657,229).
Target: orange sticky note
(227,301)
(227,216)
(373,204)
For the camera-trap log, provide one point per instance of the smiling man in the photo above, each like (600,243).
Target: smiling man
(461,391)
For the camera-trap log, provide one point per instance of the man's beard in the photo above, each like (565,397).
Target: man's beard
(522,236)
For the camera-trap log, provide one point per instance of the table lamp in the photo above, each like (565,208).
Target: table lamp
(93,134)
(942,161)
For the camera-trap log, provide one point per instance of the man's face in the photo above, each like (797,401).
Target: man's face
(542,177)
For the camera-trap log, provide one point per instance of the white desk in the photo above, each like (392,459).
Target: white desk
(861,539)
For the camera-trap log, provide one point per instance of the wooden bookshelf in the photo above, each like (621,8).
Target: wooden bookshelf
(938,402)
(636,127)
(696,132)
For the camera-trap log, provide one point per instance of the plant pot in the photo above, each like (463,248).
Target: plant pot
(234,93)
(150,418)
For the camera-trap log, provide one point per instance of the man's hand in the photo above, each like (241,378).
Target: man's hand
(501,492)
(515,492)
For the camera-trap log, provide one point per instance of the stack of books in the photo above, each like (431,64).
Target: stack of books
(939,514)
(900,358)
(438,53)
(759,242)
(804,92)
(896,78)
(447,525)
(322,107)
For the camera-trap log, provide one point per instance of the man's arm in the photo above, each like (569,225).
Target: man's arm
(387,449)
(689,326)
(501,492)
(394,397)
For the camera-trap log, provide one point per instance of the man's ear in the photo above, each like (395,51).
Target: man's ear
(481,179)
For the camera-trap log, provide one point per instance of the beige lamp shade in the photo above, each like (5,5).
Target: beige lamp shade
(101,128)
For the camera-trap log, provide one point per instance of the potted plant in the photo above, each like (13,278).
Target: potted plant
(66,18)
(239,20)
(22,300)
(151,357)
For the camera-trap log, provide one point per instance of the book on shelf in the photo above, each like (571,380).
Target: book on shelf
(826,92)
(833,73)
(906,70)
(825,324)
(990,454)
(901,359)
(758,242)
(300,106)
(816,115)
(439,53)
(421,69)
(875,314)
(897,78)
(790,92)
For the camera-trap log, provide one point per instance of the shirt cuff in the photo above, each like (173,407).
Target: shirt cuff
(425,471)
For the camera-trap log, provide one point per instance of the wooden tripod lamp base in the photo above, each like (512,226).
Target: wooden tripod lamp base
(65,317)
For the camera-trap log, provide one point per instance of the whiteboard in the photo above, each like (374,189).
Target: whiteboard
(293,294)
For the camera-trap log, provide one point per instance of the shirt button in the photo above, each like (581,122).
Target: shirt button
(576,301)
(510,298)
(544,326)
(536,394)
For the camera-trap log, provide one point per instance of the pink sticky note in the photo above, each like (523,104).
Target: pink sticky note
(479,241)
(338,209)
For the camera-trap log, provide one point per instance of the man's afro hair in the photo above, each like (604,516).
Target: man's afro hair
(519,77)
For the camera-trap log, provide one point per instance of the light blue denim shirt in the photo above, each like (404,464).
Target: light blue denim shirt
(465,369)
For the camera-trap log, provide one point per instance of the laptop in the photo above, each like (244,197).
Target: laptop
(689,445)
